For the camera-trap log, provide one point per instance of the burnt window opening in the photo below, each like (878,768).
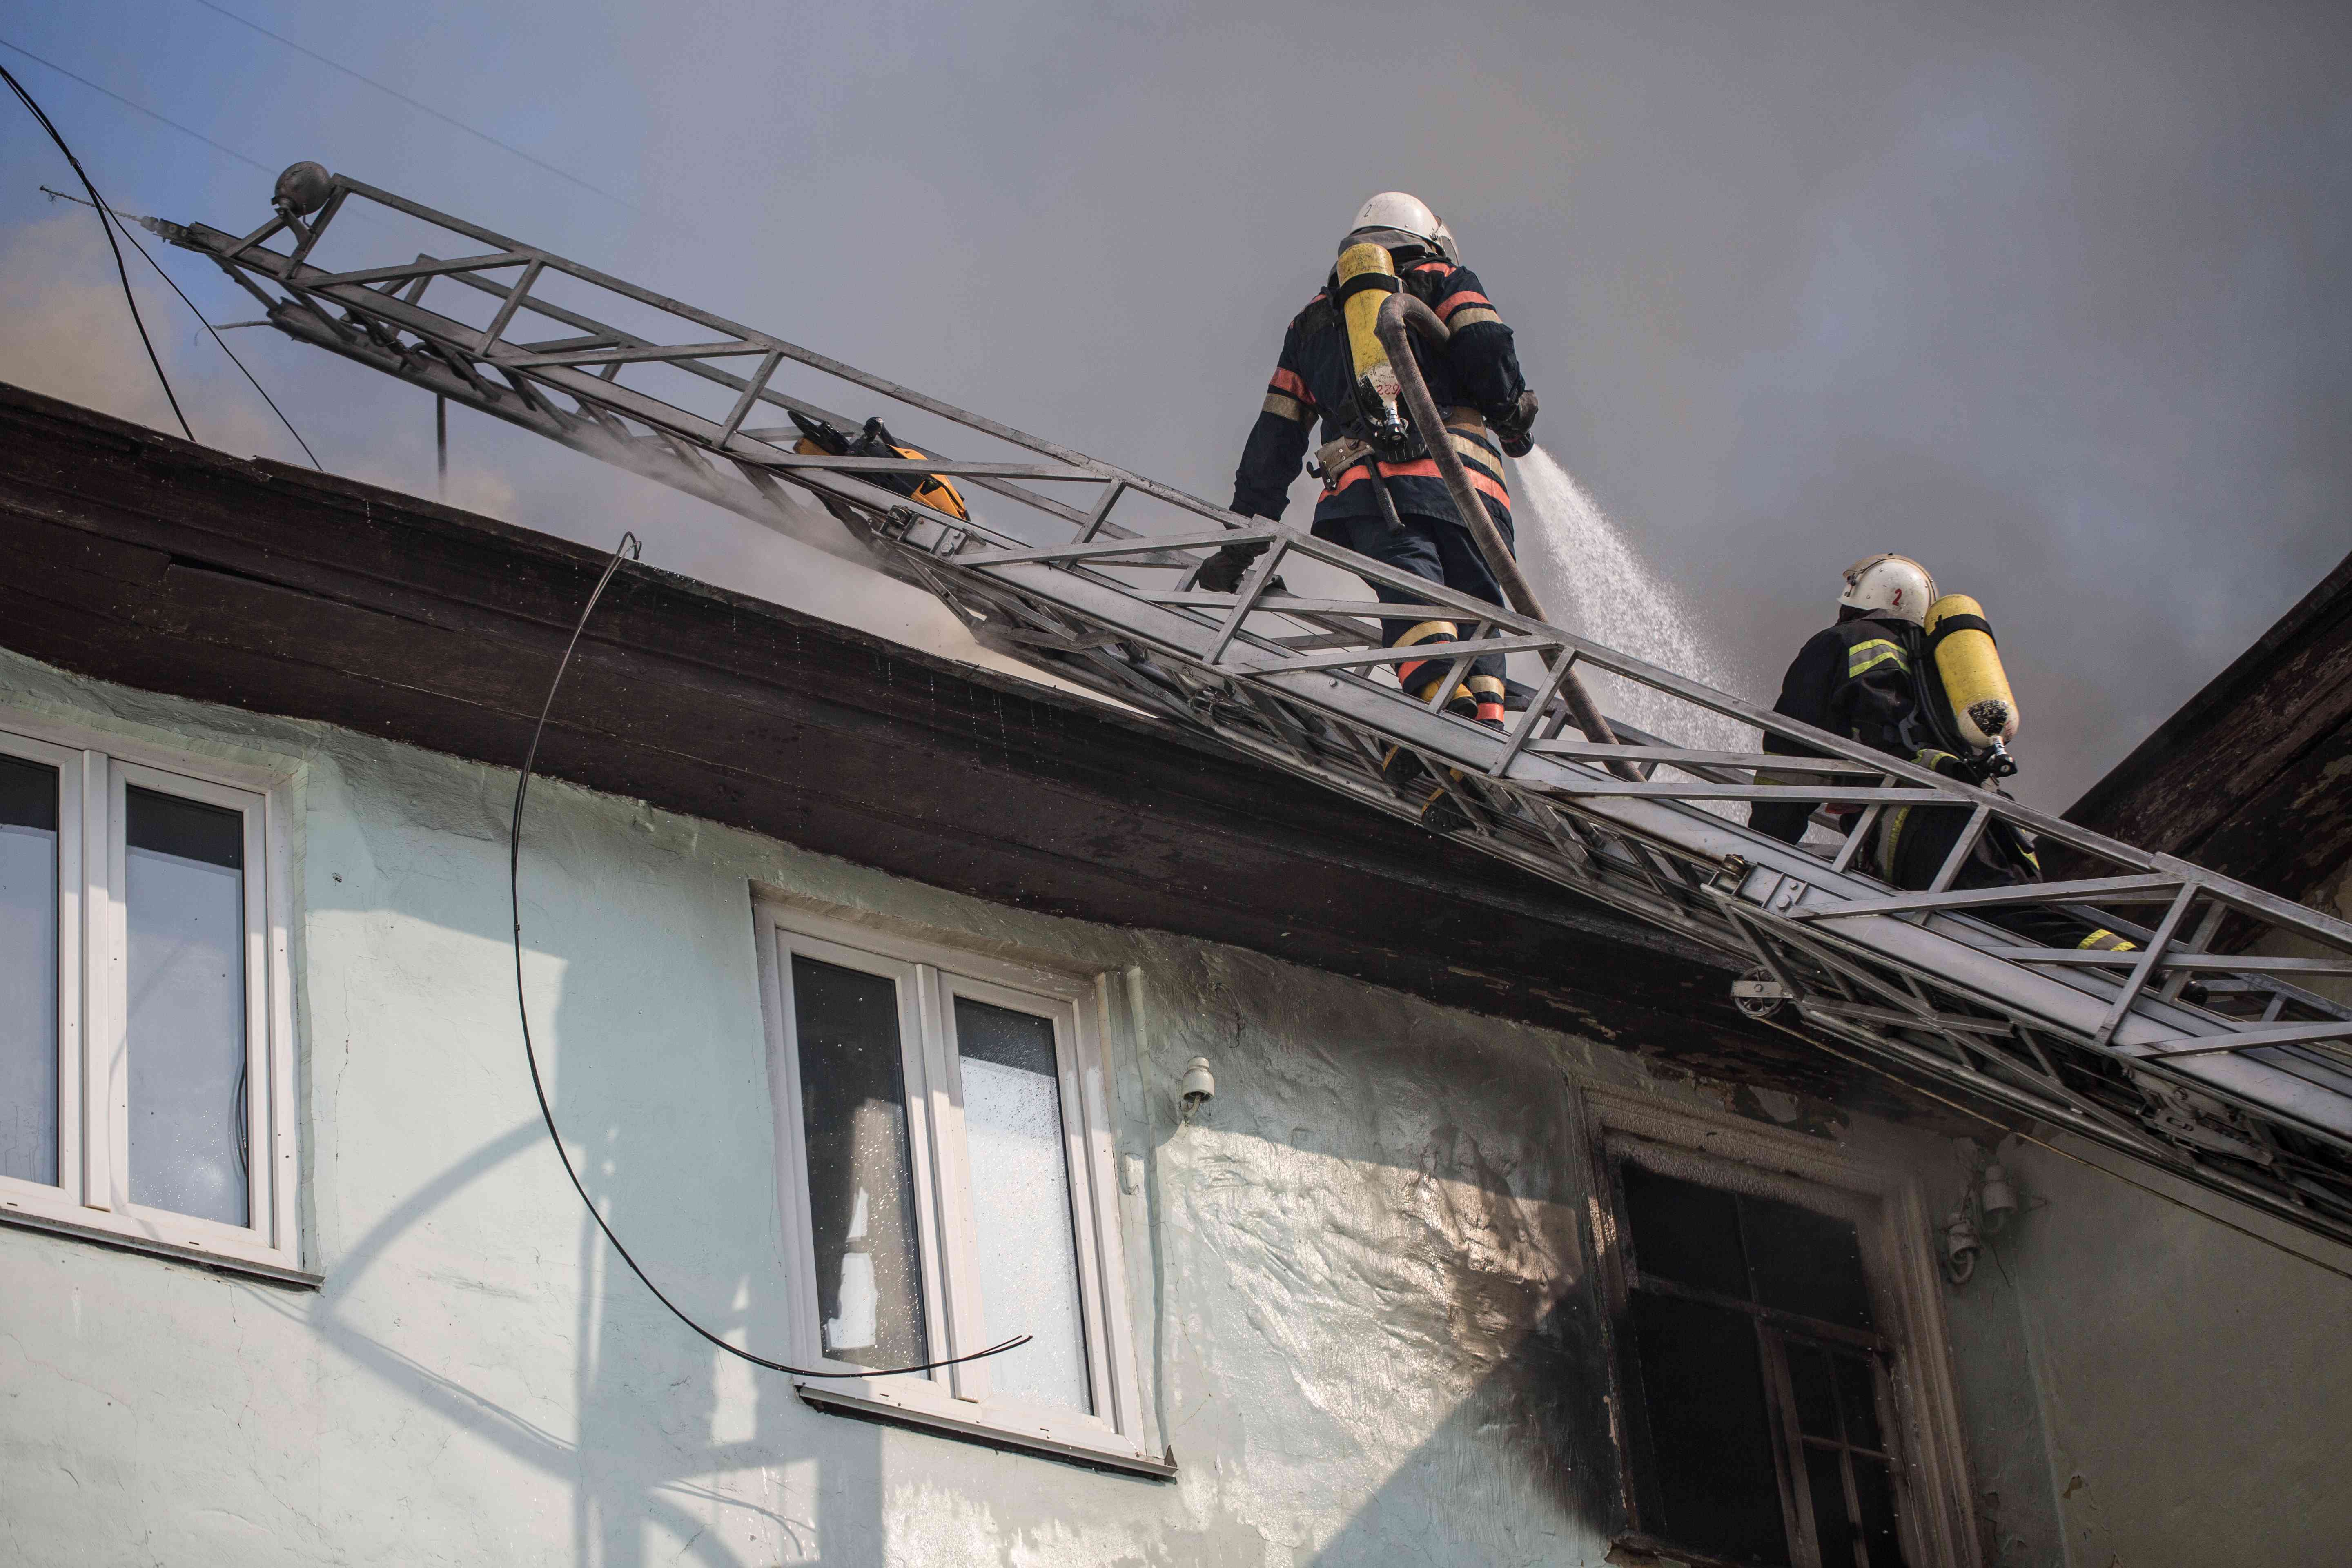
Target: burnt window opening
(1762,1420)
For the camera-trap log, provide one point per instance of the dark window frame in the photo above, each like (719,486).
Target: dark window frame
(1621,1278)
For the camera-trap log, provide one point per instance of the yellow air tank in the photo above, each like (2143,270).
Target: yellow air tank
(1362,304)
(1366,277)
(1969,667)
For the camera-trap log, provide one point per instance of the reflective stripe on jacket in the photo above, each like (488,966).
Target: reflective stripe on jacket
(1853,679)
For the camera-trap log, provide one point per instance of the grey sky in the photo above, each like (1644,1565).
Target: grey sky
(2051,295)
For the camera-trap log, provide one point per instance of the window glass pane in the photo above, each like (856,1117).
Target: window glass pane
(1805,1262)
(1825,1476)
(1711,1484)
(1857,1397)
(184,869)
(1876,1486)
(1685,1232)
(29,970)
(1808,1379)
(860,1171)
(1028,1250)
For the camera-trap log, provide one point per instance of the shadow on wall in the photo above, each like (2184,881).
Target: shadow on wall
(481,1295)
(659,1415)
(664,1418)
(1382,1214)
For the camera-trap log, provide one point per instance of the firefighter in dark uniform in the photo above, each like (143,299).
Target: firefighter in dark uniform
(1869,678)
(1488,408)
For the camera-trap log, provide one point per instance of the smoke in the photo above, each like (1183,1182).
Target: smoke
(64,331)
(2049,296)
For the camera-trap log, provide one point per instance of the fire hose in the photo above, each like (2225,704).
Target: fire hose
(1400,314)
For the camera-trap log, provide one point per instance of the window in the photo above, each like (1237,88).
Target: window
(947,1156)
(1762,1423)
(145,1064)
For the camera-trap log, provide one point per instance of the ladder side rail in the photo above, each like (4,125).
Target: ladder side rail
(1540,635)
(2311,924)
(2064,1106)
(2261,1084)
(462,340)
(426,372)
(589,389)
(965,417)
(1665,913)
(589,439)
(2047,1107)
(1703,697)
(2140,1038)
(1661,818)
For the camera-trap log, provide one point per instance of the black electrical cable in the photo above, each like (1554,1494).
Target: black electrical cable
(630,548)
(105,223)
(149,257)
(248,375)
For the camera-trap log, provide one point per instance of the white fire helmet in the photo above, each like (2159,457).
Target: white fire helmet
(1893,585)
(1447,246)
(1396,210)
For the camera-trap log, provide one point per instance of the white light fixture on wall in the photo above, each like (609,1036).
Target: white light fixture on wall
(1961,1245)
(1997,1198)
(1986,1208)
(1199,1086)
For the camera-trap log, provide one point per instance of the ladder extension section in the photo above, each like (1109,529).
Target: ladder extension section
(2198,1054)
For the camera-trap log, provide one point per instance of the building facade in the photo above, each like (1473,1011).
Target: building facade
(865,989)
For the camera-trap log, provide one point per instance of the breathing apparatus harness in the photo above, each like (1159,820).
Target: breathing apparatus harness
(1375,264)
(1373,426)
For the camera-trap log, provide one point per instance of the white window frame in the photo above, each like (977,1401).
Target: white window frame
(929,979)
(93,1189)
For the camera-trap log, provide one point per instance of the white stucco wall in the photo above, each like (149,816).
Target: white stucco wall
(2193,1382)
(1358,1281)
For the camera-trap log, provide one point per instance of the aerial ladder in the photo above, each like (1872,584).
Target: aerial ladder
(2199,1053)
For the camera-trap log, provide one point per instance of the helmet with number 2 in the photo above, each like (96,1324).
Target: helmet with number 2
(1893,585)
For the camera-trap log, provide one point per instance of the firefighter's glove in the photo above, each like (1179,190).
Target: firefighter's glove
(1515,426)
(1229,565)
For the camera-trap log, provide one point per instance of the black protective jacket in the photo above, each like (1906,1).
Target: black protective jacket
(1853,679)
(1474,378)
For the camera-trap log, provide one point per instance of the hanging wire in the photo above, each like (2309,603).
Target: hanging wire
(421,108)
(150,256)
(630,548)
(137,108)
(103,222)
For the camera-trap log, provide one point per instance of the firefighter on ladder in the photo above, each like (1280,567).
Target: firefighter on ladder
(1382,495)
(1879,676)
